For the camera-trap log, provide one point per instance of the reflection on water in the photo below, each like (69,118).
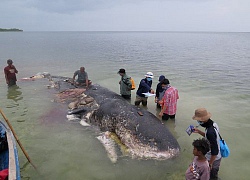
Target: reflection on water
(14,94)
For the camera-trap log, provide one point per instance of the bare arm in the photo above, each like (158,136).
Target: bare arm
(6,76)
(73,79)
(199,132)
(87,82)
(212,159)
(162,110)
(16,71)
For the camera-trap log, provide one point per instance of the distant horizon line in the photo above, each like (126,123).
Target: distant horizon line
(136,31)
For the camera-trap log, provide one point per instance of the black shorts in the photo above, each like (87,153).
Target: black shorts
(126,96)
(166,116)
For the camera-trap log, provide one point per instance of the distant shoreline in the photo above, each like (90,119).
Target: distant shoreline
(11,30)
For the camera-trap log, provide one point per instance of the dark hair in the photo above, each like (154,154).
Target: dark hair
(121,71)
(202,145)
(165,81)
(9,61)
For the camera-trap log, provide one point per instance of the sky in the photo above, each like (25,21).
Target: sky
(126,15)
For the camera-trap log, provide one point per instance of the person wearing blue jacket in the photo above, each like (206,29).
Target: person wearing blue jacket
(144,87)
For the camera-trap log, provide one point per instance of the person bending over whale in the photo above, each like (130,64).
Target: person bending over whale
(82,77)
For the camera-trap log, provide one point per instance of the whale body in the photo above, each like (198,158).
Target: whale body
(139,130)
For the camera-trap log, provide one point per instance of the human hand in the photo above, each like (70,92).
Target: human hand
(161,114)
(195,130)
(210,166)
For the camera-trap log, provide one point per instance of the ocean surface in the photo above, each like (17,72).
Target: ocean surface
(210,70)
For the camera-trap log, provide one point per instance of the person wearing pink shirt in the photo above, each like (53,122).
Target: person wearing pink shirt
(169,101)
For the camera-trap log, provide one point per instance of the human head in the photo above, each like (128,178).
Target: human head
(82,69)
(201,146)
(161,78)
(9,62)
(164,82)
(121,72)
(149,75)
(201,115)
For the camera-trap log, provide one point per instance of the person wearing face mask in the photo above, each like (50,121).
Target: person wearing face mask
(144,87)
(159,91)
(211,134)
(169,101)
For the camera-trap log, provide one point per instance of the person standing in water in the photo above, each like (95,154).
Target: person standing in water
(125,84)
(10,72)
(144,87)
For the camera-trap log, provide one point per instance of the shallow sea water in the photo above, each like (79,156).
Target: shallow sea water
(209,69)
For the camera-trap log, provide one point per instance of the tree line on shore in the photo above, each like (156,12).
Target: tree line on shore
(12,29)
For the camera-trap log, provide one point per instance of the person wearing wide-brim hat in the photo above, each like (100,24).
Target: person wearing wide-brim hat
(144,87)
(202,116)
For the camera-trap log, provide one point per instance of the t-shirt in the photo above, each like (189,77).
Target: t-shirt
(198,170)
(214,139)
(10,72)
(82,76)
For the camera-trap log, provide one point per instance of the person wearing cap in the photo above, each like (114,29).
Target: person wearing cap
(159,91)
(10,72)
(144,87)
(125,84)
(82,77)
(202,116)
(169,101)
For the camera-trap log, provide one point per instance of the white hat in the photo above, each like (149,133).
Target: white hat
(149,74)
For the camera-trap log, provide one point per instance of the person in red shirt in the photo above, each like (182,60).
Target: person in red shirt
(10,72)
(169,101)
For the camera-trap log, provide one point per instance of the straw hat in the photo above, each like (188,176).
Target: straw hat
(201,114)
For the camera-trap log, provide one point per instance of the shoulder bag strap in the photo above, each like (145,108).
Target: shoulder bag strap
(218,132)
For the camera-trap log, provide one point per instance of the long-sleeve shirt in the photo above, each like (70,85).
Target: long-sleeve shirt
(144,87)
(125,85)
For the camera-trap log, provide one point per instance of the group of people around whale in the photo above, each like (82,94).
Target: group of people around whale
(166,95)
(206,151)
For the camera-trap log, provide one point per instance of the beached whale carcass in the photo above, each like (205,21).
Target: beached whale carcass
(139,130)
